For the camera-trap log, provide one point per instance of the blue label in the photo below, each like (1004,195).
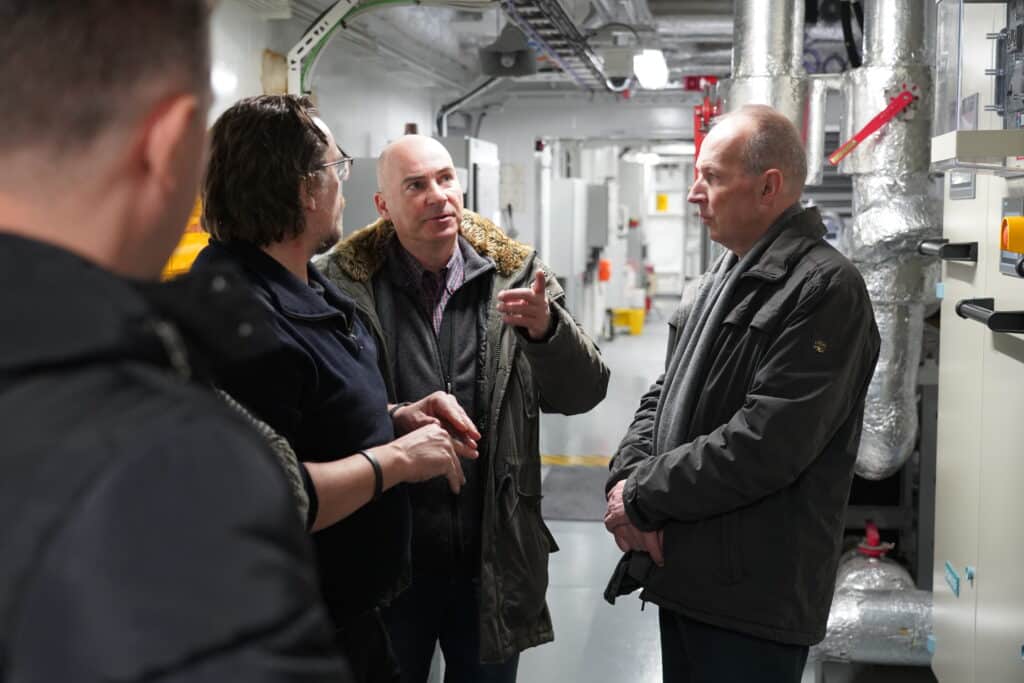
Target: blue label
(940,290)
(953,579)
(930,644)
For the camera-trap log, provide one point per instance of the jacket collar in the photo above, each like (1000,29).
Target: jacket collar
(291,296)
(797,230)
(473,264)
(362,254)
(57,309)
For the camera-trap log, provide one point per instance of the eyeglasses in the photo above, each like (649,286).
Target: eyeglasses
(343,166)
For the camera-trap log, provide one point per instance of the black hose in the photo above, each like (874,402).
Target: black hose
(846,17)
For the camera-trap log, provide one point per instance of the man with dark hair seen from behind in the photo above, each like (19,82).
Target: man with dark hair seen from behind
(146,533)
(729,489)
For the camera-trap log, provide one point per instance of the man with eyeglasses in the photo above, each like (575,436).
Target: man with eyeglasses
(272,199)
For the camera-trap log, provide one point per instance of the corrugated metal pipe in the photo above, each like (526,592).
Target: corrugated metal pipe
(877,616)
(892,214)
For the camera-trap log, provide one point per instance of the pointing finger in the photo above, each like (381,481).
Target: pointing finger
(538,282)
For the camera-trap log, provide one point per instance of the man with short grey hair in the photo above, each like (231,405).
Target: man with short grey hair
(728,491)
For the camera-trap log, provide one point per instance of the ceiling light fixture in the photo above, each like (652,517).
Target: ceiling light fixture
(651,70)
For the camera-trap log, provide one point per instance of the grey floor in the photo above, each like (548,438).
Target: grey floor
(596,642)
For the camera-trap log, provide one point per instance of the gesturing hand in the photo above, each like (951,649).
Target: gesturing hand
(444,409)
(429,452)
(527,307)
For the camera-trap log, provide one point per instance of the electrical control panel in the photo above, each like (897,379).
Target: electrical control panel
(1009,67)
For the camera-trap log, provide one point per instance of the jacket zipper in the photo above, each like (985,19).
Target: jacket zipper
(446,373)
(453,504)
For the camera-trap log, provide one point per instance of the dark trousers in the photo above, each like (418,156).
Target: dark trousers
(442,609)
(692,652)
(364,642)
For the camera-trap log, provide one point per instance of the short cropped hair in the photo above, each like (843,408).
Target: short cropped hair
(774,142)
(71,71)
(260,151)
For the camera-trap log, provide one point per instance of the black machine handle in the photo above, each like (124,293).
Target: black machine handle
(960,251)
(983,310)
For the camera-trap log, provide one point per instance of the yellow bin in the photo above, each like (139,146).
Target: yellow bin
(633,318)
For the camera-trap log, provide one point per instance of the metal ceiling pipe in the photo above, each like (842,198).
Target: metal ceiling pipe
(697,27)
(767,62)
(446,109)
(662,8)
(892,213)
(821,86)
(717,70)
(894,33)
(693,55)
(768,38)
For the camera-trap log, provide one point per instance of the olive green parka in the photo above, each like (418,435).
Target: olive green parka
(563,374)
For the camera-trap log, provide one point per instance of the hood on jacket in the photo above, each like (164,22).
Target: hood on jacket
(364,252)
(59,309)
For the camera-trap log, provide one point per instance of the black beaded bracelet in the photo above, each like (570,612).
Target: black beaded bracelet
(378,474)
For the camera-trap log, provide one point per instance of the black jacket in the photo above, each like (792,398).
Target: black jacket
(322,390)
(752,504)
(144,530)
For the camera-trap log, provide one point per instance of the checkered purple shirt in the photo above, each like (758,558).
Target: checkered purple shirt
(436,290)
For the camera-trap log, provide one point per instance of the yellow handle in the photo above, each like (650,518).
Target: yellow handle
(1012,234)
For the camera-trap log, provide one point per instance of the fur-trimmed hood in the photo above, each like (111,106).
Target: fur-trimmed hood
(363,253)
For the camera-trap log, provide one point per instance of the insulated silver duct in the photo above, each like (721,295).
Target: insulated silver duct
(877,616)
(862,573)
(768,38)
(892,213)
(767,62)
(821,86)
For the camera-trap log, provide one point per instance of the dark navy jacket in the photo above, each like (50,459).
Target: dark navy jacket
(322,390)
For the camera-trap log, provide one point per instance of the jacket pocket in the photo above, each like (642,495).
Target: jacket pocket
(524,377)
(743,342)
(523,546)
(518,436)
